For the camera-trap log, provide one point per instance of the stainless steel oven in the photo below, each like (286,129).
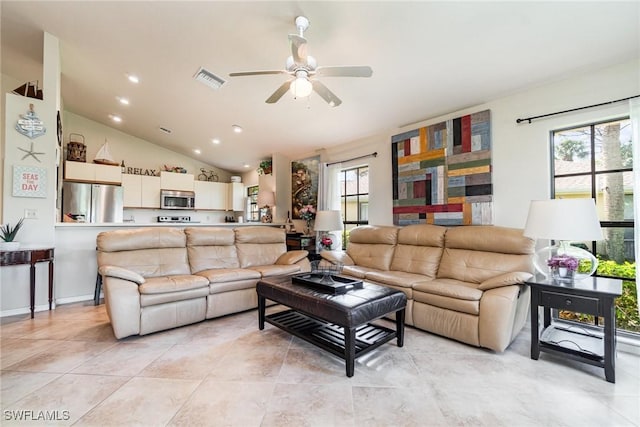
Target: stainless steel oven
(172,199)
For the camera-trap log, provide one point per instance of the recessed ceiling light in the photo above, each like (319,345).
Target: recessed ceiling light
(133,78)
(115,118)
(215,141)
(197,151)
(123,101)
(236,128)
(245,165)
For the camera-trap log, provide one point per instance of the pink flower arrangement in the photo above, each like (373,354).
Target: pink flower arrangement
(569,262)
(326,242)
(308,212)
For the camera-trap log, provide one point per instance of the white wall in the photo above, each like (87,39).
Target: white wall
(520,151)
(14,291)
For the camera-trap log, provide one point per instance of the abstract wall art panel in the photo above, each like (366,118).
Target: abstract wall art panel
(442,173)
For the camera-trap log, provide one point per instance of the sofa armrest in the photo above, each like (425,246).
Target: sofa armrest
(291,257)
(121,273)
(505,279)
(337,256)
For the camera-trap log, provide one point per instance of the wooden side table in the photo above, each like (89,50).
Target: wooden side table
(299,242)
(31,254)
(593,295)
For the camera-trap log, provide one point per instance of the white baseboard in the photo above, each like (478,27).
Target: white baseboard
(45,307)
(71,300)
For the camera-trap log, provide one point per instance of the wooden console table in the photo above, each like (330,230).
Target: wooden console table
(31,254)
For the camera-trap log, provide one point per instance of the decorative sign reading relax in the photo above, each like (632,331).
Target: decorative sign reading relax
(29,181)
(140,171)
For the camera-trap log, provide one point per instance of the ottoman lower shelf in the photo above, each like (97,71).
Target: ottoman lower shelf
(328,336)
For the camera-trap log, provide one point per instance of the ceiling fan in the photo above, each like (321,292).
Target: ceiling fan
(304,70)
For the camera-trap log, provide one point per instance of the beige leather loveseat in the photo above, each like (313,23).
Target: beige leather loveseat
(158,278)
(464,283)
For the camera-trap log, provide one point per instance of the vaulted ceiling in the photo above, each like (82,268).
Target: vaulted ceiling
(428,58)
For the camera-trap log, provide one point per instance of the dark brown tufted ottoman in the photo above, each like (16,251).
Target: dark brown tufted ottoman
(336,323)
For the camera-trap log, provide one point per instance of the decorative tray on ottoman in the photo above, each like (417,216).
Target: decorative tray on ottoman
(330,283)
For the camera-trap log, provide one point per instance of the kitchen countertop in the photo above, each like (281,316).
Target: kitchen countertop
(163,224)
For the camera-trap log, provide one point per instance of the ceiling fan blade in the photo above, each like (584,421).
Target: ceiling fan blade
(298,48)
(325,93)
(345,71)
(257,73)
(278,93)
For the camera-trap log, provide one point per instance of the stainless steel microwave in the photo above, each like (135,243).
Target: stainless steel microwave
(172,199)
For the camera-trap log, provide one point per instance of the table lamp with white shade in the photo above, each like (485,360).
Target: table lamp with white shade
(327,221)
(564,221)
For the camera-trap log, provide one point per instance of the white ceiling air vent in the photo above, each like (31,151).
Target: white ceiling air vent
(209,79)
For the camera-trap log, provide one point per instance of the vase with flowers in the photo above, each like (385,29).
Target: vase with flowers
(326,242)
(307,213)
(563,267)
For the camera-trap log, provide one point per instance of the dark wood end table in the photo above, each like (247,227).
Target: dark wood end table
(31,254)
(593,295)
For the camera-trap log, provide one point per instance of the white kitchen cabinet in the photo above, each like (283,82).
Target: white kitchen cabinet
(176,181)
(131,191)
(92,172)
(150,196)
(236,196)
(210,195)
(141,191)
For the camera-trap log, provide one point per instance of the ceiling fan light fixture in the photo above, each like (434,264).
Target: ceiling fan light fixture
(301,87)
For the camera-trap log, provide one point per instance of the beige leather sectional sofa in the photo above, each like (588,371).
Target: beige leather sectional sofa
(464,283)
(158,278)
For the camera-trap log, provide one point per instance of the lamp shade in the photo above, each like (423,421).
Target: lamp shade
(563,219)
(266,198)
(328,221)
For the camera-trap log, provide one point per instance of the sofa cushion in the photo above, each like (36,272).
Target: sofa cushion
(449,288)
(211,247)
(357,271)
(506,279)
(276,270)
(477,253)
(259,246)
(222,275)
(150,252)
(395,278)
(372,246)
(449,294)
(160,285)
(147,300)
(419,249)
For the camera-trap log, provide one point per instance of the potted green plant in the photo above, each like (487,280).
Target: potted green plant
(8,234)
(265,167)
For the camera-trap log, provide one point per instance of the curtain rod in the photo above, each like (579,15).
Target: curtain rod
(374,154)
(574,109)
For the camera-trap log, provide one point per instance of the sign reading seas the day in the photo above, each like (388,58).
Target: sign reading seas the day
(29,181)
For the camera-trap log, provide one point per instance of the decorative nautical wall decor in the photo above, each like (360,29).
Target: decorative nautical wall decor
(30,125)
(29,181)
(442,173)
(31,153)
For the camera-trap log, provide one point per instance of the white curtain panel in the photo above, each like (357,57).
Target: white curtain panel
(634,108)
(330,191)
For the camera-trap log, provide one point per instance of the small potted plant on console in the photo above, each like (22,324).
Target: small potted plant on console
(8,235)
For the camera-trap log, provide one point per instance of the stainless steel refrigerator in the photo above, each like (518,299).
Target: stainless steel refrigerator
(91,202)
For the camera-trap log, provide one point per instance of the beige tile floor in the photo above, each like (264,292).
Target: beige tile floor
(227,372)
